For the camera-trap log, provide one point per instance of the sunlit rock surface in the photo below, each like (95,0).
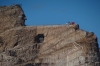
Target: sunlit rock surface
(51,45)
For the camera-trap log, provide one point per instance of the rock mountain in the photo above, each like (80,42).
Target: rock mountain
(50,45)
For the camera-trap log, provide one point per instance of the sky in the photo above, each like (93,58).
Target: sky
(86,13)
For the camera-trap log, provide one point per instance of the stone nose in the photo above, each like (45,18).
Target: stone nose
(22,17)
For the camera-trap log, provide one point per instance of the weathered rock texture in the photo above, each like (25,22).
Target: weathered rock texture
(56,45)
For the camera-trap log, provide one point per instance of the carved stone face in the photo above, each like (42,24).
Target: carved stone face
(20,12)
(24,17)
(21,19)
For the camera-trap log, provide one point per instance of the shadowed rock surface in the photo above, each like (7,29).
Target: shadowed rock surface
(51,45)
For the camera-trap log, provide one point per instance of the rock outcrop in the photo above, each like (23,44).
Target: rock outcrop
(52,45)
(11,17)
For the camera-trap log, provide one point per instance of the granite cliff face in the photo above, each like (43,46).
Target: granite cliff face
(52,45)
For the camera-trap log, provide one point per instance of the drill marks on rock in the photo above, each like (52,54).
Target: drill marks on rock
(58,44)
(75,48)
(51,57)
(58,39)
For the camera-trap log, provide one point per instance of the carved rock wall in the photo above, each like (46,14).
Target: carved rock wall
(61,45)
